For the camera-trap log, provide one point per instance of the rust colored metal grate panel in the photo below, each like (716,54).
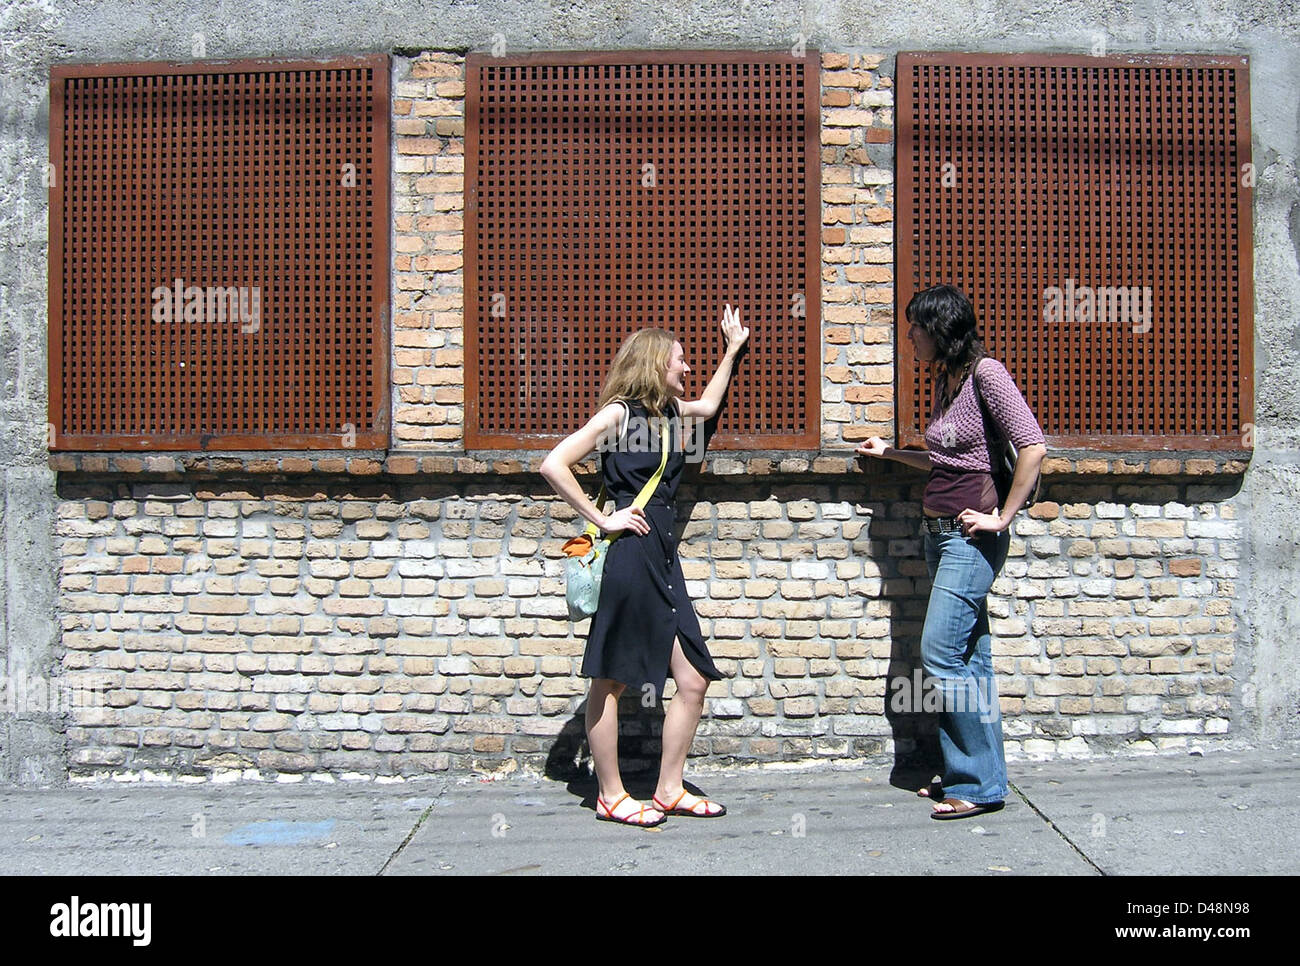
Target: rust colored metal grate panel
(608,192)
(1098,213)
(219,262)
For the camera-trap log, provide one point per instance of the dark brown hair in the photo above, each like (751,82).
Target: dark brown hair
(946,315)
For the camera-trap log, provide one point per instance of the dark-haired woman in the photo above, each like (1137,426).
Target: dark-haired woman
(966,537)
(645,627)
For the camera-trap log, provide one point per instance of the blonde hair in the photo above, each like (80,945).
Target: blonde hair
(640,371)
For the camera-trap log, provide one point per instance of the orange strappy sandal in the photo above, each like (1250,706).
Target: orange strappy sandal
(691,811)
(633,820)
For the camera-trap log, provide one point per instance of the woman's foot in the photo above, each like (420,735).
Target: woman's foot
(953,808)
(933,790)
(626,810)
(684,803)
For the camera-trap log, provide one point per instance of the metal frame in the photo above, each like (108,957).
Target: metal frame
(909,423)
(810,436)
(374,436)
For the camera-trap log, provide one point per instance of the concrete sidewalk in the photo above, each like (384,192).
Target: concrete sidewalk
(1222,813)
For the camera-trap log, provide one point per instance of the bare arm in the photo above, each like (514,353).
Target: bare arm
(875,446)
(706,407)
(1028,460)
(557,470)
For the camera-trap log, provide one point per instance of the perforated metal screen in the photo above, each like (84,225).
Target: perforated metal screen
(1098,213)
(609,192)
(219,268)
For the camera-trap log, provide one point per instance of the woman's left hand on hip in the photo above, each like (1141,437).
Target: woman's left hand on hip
(974,522)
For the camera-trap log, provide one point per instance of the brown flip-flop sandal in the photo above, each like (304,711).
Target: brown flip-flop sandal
(962,810)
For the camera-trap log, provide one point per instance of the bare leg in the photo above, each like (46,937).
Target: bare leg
(602,736)
(680,723)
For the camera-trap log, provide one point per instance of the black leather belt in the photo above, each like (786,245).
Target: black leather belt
(943,524)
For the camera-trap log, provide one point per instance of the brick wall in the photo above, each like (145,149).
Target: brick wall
(857,250)
(404,614)
(387,628)
(428,246)
(428,297)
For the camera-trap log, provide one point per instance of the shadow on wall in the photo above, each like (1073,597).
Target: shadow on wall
(1169,541)
(639,732)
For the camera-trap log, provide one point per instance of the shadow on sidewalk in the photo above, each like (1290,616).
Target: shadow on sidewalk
(639,746)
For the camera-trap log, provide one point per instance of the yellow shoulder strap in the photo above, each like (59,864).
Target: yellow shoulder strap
(647,491)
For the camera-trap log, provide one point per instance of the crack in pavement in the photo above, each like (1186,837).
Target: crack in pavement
(415,828)
(1056,828)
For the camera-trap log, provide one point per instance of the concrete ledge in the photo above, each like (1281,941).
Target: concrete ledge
(397,463)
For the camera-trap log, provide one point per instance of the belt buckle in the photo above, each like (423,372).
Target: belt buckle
(937,525)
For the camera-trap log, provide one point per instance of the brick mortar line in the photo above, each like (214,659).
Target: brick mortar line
(721,468)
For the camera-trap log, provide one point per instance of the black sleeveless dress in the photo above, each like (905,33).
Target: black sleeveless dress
(643,601)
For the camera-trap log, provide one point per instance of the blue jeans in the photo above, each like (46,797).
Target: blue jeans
(957,656)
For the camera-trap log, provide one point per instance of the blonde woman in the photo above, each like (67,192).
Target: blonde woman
(645,627)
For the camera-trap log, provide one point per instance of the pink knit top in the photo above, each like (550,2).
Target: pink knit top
(960,475)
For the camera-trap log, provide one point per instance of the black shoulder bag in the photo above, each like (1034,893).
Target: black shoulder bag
(1002,452)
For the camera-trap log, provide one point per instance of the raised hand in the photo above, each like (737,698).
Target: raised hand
(735,333)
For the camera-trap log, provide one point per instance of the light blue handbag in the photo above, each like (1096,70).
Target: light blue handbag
(584,563)
(582,576)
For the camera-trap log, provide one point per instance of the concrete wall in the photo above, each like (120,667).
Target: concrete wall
(34,35)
